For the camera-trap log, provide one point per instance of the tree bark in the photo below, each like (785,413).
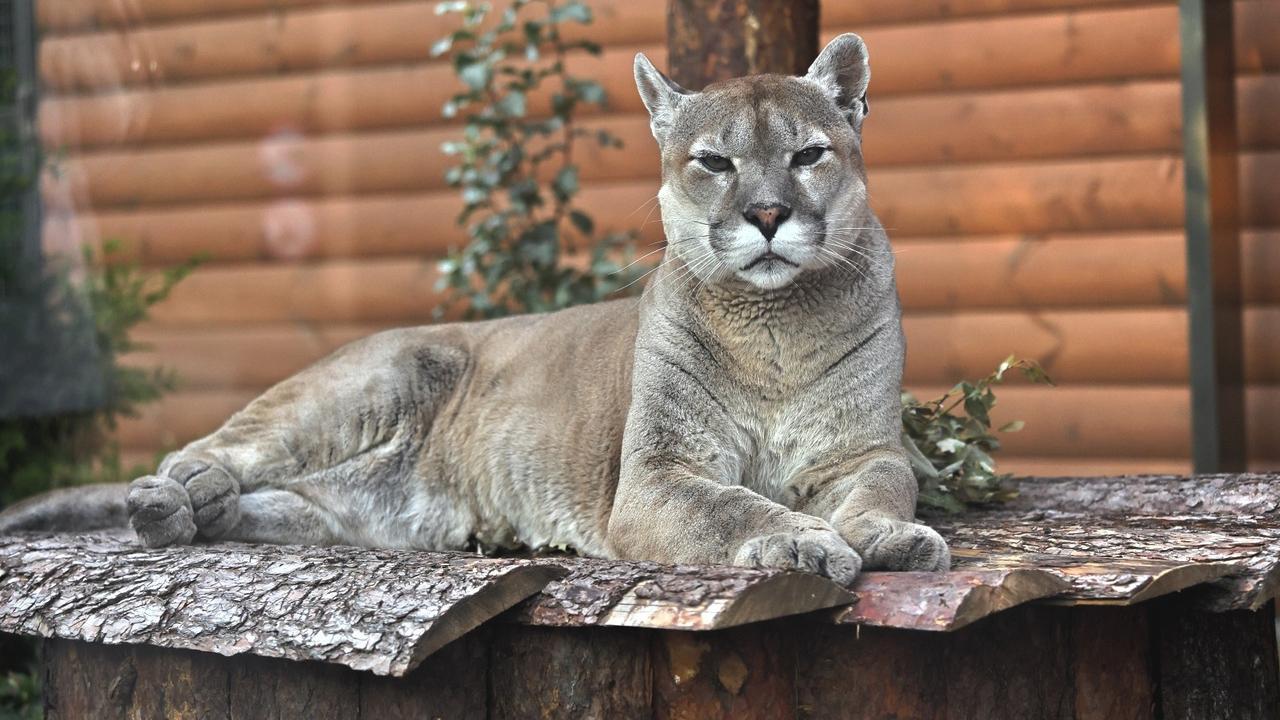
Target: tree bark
(376,610)
(713,40)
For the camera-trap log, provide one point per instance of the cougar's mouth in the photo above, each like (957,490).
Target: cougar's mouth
(769,257)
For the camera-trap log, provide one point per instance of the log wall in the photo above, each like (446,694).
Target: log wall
(1023,153)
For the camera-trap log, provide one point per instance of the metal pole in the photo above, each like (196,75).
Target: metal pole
(1213,236)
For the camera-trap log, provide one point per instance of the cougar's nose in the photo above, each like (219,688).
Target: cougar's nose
(767,218)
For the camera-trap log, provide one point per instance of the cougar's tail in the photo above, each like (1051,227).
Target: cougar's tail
(85,507)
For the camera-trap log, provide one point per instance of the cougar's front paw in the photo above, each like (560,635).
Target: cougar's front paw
(817,551)
(215,495)
(160,511)
(887,544)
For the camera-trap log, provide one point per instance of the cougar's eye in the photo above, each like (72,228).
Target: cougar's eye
(807,156)
(715,163)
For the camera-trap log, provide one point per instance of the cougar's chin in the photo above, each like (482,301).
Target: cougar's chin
(770,271)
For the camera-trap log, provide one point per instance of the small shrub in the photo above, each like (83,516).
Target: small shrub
(951,452)
(517,173)
(41,452)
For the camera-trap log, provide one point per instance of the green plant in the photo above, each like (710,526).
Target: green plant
(20,695)
(39,452)
(517,172)
(950,452)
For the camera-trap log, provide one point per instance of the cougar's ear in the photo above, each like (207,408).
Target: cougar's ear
(843,71)
(660,95)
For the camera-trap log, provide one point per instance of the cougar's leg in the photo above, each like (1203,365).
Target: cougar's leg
(282,469)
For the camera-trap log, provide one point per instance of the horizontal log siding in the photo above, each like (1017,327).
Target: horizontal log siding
(1023,153)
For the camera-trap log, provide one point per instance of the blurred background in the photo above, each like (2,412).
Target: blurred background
(1025,156)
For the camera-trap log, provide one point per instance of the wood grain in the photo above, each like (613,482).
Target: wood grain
(1017,49)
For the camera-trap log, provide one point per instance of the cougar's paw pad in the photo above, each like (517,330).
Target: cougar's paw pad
(908,546)
(160,511)
(215,496)
(816,551)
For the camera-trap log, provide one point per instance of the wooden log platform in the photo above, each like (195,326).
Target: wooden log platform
(1131,597)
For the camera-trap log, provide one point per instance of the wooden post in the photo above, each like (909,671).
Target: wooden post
(713,40)
(1213,236)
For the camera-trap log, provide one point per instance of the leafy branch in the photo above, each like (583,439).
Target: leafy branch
(951,452)
(516,172)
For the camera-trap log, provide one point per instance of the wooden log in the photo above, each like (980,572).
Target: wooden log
(340,227)
(322,36)
(646,595)
(571,673)
(370,610)
(846,672)
(309,103)
(1227,495)
(452,683)
(103,681)
(1063,196)
(1018,50)
(92,680)
(943,601)
(743,673)
(1126,558)
(1003,125)
(1216,665)
(1016,665)
(383,290)
(1077,347)
(1111,664)
(708,42)
(85,15)
(934,274)
(259,687)
(1051,48)
(289,165)
(1024,466)
(882,12)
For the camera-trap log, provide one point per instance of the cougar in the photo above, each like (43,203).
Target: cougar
(743,410)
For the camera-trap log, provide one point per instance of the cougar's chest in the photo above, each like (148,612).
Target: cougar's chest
(775,441)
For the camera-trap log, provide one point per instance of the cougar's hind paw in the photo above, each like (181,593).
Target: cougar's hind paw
(160,511)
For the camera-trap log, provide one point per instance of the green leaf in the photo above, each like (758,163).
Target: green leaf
(476,75)
(453,6)
(590,91)
(582,221)
(565,184)
(571,11)
(512,104)
(1012,426)
(977,409)
(442,46)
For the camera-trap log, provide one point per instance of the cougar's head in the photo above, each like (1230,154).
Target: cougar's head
(762,176)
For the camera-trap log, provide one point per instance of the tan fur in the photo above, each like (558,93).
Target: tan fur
(743,410)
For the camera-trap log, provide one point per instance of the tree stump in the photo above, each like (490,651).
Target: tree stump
(1087,598)
(713,40)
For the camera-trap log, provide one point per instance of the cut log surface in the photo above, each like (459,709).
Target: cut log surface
(1065,541)
(382,611)
(944,601)
(596,592)
(1127,540)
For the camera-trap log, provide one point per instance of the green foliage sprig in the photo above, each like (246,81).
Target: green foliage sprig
(44,452)
(517,173)
(20,694)
(951,452)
